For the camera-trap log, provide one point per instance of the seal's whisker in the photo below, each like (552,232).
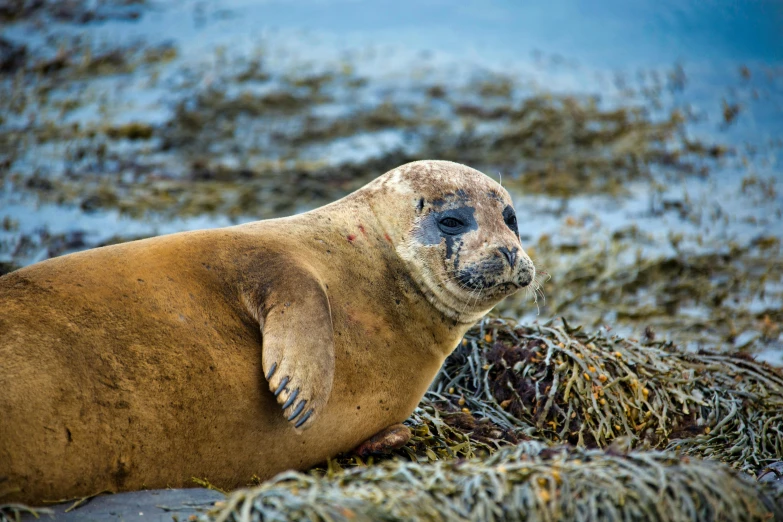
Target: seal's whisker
(536,290)
(474,296)
(531,291)
(448,277)
(542,276)
(467,301)
(538,283)
(470,298)
(540,292)
(480,295)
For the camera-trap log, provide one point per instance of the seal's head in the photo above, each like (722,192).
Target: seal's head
(458,233)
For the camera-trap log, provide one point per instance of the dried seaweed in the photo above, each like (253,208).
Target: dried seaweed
(559,384)
(13,512)
(440,431)
(525,482)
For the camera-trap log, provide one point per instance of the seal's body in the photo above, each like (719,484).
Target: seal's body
(247,350)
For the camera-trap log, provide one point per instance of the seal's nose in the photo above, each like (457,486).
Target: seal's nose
(510,255)
(526,272)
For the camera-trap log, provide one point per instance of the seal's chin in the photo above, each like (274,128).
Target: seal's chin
(467,295)
(467,303)
(454,301)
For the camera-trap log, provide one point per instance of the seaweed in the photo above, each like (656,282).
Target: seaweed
(71,11)
(529,481)
(559,384)
(13,512)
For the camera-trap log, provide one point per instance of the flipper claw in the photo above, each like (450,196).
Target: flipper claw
(271,371)
(291,399)
(282,386)
(303,418)
(298,410)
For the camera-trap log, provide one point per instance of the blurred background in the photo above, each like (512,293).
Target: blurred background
(641,140)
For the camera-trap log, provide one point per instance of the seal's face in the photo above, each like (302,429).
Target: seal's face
(462,244)
(469,242)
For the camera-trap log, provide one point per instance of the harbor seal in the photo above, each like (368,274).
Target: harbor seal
(251,349)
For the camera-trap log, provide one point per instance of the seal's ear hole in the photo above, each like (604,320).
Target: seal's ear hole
(420,206)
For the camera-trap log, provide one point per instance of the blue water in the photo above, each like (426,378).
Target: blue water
(613,33)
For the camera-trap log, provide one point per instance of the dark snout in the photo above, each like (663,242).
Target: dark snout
(510,254)
(520,264)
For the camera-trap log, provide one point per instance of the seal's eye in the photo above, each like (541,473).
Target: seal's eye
(451,225)
(453,221)
(510,218)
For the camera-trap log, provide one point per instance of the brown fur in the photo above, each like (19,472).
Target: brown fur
(143,364)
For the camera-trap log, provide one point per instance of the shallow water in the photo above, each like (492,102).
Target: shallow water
(66,188)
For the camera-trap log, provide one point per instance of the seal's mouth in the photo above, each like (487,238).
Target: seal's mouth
(487,289)
(473,280)
(504,289)
(509,286)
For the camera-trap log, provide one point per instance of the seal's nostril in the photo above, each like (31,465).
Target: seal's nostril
(510,255)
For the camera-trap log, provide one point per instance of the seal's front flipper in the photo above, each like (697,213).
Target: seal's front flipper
(392,438)
(297,344)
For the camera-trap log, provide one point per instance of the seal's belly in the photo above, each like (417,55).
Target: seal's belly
(124,388)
